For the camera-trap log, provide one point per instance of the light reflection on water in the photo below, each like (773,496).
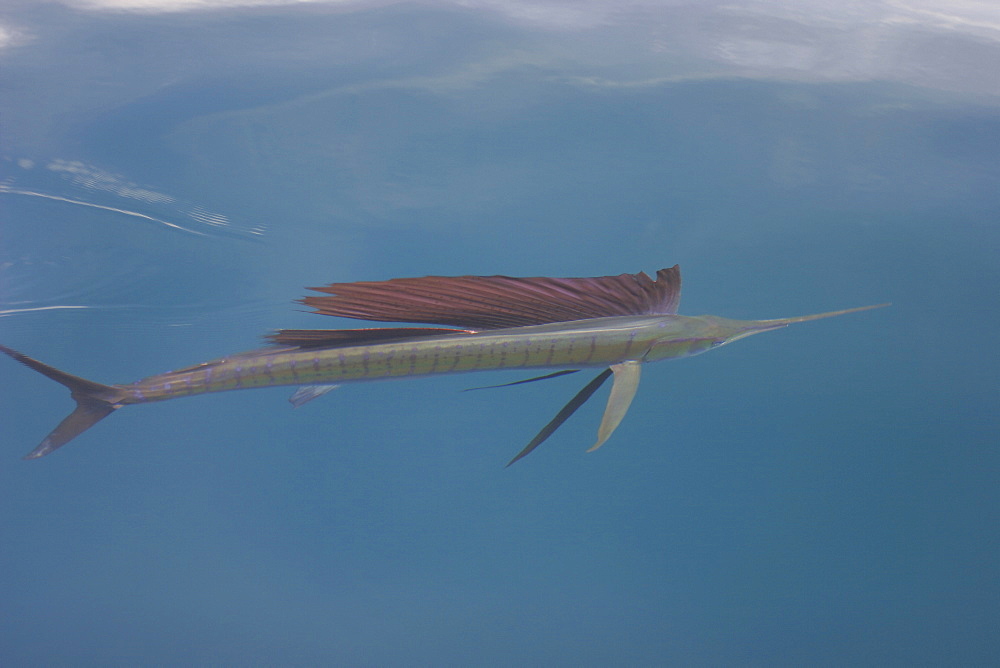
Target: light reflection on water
(89,256)
(76,183)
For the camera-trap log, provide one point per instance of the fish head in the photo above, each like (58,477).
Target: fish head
(687,336)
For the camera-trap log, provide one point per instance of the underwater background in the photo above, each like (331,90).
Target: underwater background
(174,174)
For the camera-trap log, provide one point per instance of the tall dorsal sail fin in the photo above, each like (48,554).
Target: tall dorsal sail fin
(338,338)
(494,302)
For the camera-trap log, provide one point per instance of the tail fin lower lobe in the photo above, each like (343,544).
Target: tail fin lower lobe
(94,402)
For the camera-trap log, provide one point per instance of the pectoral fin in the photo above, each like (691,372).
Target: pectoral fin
(626,383)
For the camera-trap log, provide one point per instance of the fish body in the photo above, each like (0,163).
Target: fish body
(597,342)
(612,322)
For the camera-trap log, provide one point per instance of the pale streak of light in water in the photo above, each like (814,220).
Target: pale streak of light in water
(180,315)
(16,311)
(93,178)
(6,313)
(136,214)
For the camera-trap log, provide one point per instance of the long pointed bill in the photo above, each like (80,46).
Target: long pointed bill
(779,322)
(756,326)
(622,393)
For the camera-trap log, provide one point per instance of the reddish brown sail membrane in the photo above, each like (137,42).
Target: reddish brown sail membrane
(495,302)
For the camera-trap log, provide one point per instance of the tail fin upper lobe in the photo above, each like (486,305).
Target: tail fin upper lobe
(94,402)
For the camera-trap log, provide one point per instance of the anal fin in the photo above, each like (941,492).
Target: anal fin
(307,393)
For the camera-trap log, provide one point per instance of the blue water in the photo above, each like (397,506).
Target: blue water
(824,495)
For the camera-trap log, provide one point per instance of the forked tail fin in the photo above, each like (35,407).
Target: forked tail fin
(93,403)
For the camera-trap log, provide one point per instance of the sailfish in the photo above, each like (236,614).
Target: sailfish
(615,323)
